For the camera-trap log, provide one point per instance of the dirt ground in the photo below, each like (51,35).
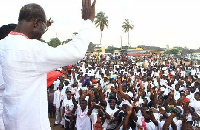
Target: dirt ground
(58,127)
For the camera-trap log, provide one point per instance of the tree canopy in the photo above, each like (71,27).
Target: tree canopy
(101,21)
(127,26)
(54,42)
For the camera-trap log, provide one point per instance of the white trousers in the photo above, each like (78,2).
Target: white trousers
(59,116)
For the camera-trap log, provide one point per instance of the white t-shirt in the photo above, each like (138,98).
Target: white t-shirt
(1,77)
(68,104)
(150,125)
(83,121)
(111,112)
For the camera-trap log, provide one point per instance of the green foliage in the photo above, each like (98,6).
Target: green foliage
(101,21)
(127,47)
(178,48)
(54,42)
(172,51)
(127,26)
(68,40)
(42,40)
(110,49)
(91,47)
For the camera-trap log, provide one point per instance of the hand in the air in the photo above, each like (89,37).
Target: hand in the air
(88,10)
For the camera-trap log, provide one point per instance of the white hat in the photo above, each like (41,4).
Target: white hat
(162,89)
(181,88)
(125,102)
(130,94)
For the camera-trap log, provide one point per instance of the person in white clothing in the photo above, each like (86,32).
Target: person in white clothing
(4,31)
(57,103)
(1,104)
(25,61)
(69,107)
(83,120)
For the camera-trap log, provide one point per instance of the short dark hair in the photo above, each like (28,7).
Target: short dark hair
(5,30)
(31,12)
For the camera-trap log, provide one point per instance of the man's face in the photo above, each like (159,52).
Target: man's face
(68,95)
(112,103)
(40,27)
(60,87)
(83,104)
(197,97)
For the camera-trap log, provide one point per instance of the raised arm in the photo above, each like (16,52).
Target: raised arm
(88,10)
(125,96)
(102,98)
(69,53)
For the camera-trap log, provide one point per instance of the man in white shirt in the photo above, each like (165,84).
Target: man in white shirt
(57,103)
(1,104)
(25,61)
(4,31)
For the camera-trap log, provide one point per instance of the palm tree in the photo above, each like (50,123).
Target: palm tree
(101,21)
(127,26)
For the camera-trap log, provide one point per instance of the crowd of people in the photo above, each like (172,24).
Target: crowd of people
(96,93)
(114,94)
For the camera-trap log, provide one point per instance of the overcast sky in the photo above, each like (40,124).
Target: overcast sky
(156,22)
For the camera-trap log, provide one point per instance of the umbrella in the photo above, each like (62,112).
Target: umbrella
(52,76)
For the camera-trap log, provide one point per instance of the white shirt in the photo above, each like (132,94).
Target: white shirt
(83,121)
(1,78)
(25,63)
(193,72)
(57,98)
(111,112)
(68,104)
(1,104)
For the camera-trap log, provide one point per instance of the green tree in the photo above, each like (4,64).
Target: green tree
(68,40)
(42,40)
(91,47)
(101,21)
(54,42)
(127,26)
(172,51)
(110,49)
(75,33)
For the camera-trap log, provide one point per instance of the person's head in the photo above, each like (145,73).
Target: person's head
(112,102)
(32,21)
(66,82)
(177,86)
(5,30)
(124,88)
(51,87)
(75,84)
(84,93)
(83,104)
(197,96)
(60,87)
(160,100)
(192,89)
(68,93)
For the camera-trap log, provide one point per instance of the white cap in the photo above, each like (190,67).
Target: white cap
(130,94)
(162,89)
(181,88)
(125,102)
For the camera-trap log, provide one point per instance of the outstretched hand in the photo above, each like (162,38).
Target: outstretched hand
(49,22)
(88,10)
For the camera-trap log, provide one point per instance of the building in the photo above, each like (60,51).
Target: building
(99,49)
(116,53)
